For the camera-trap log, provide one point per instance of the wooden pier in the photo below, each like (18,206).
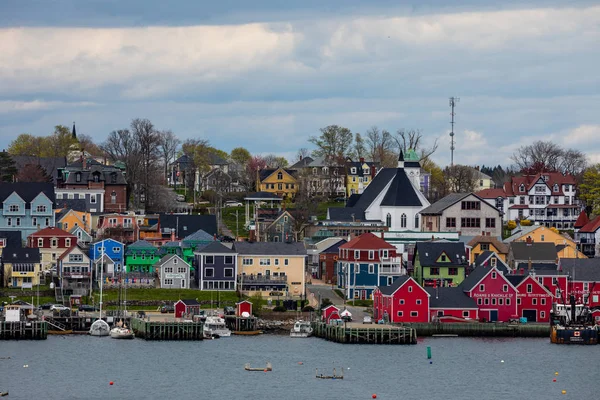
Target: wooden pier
(240,324)
(481,329)
(167,330)
(23,330)
(365,334)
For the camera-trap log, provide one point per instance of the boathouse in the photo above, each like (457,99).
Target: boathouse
(534,301)
(451,304)
(243,306)
(403,301)
(329,312)
(187,306)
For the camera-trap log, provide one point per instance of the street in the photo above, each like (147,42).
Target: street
(325,292)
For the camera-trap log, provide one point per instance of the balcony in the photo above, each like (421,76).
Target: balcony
(262,280)
(394,269)
(391,260)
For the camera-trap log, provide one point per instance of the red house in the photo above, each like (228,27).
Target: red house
(584,279)
(534,301)
(495,295)
(451,304)
(189,307)
(330,312)
(120,227)
(242,307)
(52,242)
(403,301)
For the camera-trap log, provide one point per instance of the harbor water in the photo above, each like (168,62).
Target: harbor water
(81,367)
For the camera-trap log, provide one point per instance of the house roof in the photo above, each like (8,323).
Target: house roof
(303,163)
(140,244)
(263,196)
(72,204)
(592,226)
(358,165)
(20,255)
(429,252)
(367,241)
(265,173)
(166,258)
(217,248)
(491,193)
(13,238)
(374,188)
(540,251)
(67,252)
(199,236)
(351,201)
(500,247)
(520,232)
(439,206)
(515,279)
(582,220)
(581,269)
(346,214)
(334,249)
(399,281)
(189,302)
(478,273)
(27,191)
(401,192)
(449,297)
(105,174)
(49,164)
(270,248)
(52,231)
(536,266)
(184,224)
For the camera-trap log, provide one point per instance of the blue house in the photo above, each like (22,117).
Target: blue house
(216,267)
(26,206)
(113,249)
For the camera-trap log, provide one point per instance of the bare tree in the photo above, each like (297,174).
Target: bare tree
(122,146)
(274,161)
(359,146)
(413,139)
(460,178)
(573,162)
(380,146)
(148,141)
(302,154)
(169,144)
(334,144)
(546,154)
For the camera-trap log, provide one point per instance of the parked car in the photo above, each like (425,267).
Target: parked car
(46,306)
(87,307)
(367,320)
(227,239)
(180,197)
(229,310)
(232,203)
(340,199)
(58,307)
(167,309)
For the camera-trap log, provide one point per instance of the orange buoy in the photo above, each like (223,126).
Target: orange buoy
(300,363)
(564,392)
(111,383)
(374,396)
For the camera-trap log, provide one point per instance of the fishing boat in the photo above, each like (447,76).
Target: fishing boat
(100,327)
(573,323)
(216,327)
(267,368)
(2,394)
(301,329)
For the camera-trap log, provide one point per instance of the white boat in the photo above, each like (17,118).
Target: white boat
(215,326)
(301,329)
(121,331)
(100,327)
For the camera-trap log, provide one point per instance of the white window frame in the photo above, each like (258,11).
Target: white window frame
(357,254)
(482,287)
(414,314)
(371,268)
(371,254)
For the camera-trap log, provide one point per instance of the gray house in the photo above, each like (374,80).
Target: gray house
(216,267)
(174,273)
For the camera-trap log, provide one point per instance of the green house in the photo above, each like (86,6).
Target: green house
(440,263)
(141,257)
(186,247)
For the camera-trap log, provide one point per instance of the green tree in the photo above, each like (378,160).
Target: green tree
(7,167)
(359,146)
(589,190)
(60,143)
(240,155)
(334,144)
(27,145)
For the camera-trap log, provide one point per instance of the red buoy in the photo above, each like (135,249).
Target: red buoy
(111,383)
(554,380)
(374,396)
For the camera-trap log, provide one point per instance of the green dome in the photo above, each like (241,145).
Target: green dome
(411,155)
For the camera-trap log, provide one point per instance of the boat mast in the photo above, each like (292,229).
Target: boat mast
(101,275)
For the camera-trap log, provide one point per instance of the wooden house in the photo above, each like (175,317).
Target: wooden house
(402,301)
(243,306)
(187,307)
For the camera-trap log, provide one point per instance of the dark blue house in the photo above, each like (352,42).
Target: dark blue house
(216,267)
(113,249)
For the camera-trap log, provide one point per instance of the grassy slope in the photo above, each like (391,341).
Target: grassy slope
(229,219)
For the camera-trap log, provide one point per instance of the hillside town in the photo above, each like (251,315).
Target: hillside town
(384,227)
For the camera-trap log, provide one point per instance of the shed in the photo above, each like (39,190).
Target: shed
(330,311)
(187,306)
(243,307)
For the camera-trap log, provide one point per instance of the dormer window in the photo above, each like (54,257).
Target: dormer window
(280,175)
(555,187)
(113,177)
(78,177)
(521,188)
(96,178)
(314,171)
(353,171)
(41,209)
(13,208)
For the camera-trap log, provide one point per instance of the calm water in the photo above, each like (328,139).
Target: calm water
(81,367)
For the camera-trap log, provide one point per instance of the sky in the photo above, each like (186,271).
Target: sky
(267,74)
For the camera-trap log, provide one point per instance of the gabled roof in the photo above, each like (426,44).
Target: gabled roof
(592,226)
(478,274)
(401,192)
(500,247)
(439,206)
(581,269)
(303,163)
(367,241)
(72,204)
(13,238)
(20,255)
(69,250)
(52,231)
(105,174)
(484,260)
(265,173)
(515,279)
(334,249)
(189,302)
(429,252)
(199,236)
(217,248)
(167,258)
(27,191)
(270,248)
(375,188)
(520,232)
(140,244)
(582,220)
(358,165)
(398,282)
(352,200)
(449,297)
(536,266)
(185,224)
(346,214)
(266,196)
(491,193)
(536,251)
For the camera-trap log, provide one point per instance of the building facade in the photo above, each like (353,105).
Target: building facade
(173,272)
(113,249)
(26,207)
(22,267)
(52,242)
(281,182)
(75,272)
(141,257)
(440,263)
(217,267)
(402,301)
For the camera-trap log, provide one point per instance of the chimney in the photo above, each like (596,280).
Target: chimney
(362,160)
(172,235)
(529,240)
(529,265)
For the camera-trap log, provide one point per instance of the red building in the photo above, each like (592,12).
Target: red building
(330,312)
(495,295)
(52,242)
(534,301)
(120,227)
(402,301)
(584,279)
(328,260)
(451,304)
(188,307)
(243,307)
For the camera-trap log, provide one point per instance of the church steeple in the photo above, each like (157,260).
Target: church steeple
(74,132)
(401,160)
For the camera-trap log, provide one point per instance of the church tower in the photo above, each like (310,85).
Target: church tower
(412,167)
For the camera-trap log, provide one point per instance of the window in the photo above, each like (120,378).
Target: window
(529,288)
(543,301)
(471,205)
(277,261)
(264,261)
(484,246)
(8,221)
(181,270)
(356,254)
(65,225)
(286,261)
(168,281)
(388,220)
(500,301)
(371,254)
(93,199)
(384,254)
(493,274)
(505,288)
(494,301)
(401,302)
(113,197)
(419,302)
(542,314)
(247,261)
(116,249)
(209,272)
(521,188)
(371,268)
(493,261)
(54,242)
(534,301)
(18,221)
(40,242)
(479,301)
(209,259)
(13,208)
(168,270)
(482,288)
(34,221)
(228,272)
(357,268)
(175,260)
(400,313)
(465,314)
(113,177)
(353,170)
(508,302)
(41,209)
(414,314)
(403,221)
(490,222)
(518,301)
(75,257)
(279,175)
(228,259)
(487,301)
(183,283)
(68,242)
(410,289)
(470,222)
(416,221)
(453,271)
(78,177)
(434,271)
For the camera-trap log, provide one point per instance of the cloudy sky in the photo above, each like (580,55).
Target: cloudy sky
(267,75)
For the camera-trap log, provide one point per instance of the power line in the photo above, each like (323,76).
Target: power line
(453,101)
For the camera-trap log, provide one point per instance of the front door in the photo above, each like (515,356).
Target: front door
(363,295)
(531,315)
(493,315)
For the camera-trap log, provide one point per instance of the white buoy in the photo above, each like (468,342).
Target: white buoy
(502,361)
(26,366)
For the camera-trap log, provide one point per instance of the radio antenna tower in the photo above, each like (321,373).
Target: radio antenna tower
(453,101)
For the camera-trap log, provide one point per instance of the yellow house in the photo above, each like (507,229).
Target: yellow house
(22,267)
(480,244)
(358,175)
(565,246)
(68,219)
(278,181)
(271,269)
(482,181)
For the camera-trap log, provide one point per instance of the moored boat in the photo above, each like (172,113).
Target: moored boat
(301,329)
(573,324)
(121,331)
(267,368)
(216,326)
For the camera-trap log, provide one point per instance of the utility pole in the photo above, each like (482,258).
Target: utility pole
(236,225)
(453,101)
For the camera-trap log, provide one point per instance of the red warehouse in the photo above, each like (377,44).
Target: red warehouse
(584,279)
(451,304)
(242,307)
(329,312)
(403,301)
(496,297)
(534,301)
(188,307)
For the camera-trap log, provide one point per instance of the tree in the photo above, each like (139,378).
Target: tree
(7,167)
(148,140)
(460,178)
(333,144)
(122,146)
(359,146)
(413,139)
(254,165)
(274,161)
(60,143)
(87,143)
(546,156)
(437,182)
(27,145)
(380,147)
(240,155)
(33,173)
(573,162)
(302,154)
(169,145)
(589,190)
(306,204)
